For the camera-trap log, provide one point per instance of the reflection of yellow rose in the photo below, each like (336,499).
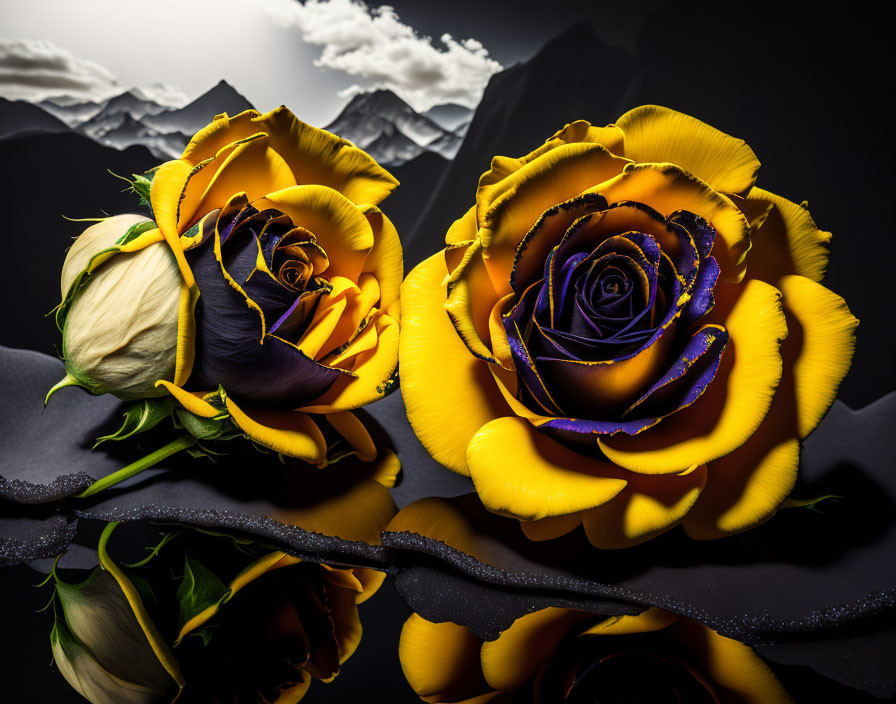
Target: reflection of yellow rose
(221,618)
(625,332)
(296,271)
(563,655)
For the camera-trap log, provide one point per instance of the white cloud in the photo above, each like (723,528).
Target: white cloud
(373,44)
(34,70)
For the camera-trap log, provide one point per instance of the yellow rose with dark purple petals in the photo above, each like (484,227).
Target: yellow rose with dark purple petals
(626,333)
(291,274)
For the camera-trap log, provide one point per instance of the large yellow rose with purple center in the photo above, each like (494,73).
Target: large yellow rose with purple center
(290,280)
(625,332)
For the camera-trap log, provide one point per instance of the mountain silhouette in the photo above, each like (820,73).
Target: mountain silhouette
(574,76)
(449,115)
(168,145)
(418,178)
(189,119)
(368,115)
(19,118)
(392,147)
(70,110)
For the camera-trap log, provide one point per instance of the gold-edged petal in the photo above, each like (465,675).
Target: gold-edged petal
(314,156)
(249,166)
(646,508)
(521,472)
(668,188)
(371,370)
(449,394)
(787,242)
(340,227)
(658,134)
(580,131)
(440,660)
(509,208)
(470,299)
(737,400)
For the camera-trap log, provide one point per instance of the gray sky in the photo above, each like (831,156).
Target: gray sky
(309,56)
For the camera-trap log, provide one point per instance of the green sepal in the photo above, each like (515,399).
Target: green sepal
(200,428)
(141,416)
(135,231)
(141,186)
(199,589)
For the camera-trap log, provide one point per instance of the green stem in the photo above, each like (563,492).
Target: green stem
(150,460)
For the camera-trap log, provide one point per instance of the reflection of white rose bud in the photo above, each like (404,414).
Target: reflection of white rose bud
(120,333)
(100,648)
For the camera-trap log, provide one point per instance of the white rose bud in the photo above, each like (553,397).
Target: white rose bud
(120,333)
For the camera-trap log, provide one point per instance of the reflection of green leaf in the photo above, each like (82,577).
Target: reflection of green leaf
(140,416)
(198,590)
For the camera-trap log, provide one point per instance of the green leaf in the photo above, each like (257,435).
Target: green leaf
(135,231)
(140,416)
(198,590)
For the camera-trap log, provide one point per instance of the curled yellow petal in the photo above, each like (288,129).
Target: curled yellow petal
(787,242)
(289,432)
(520,471)
(191,400)
(658,134)
(352,429)
(826,331)
(449,394)
(371,371)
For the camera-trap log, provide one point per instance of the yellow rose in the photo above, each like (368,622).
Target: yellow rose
(289,306)
(564,655)
(625,332)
